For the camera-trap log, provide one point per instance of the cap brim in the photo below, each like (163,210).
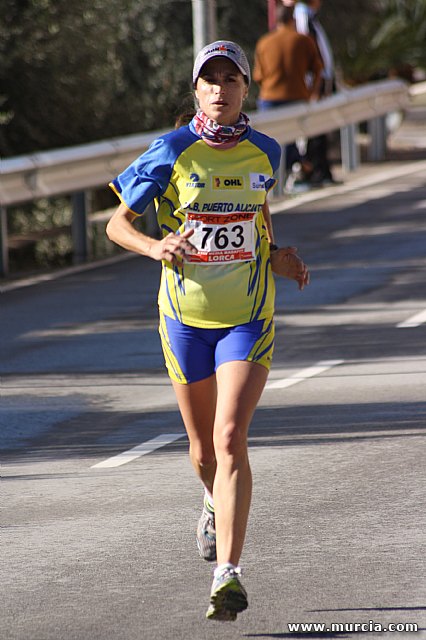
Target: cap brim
(218,55)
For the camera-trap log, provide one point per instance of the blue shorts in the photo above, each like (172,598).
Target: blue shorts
(193,353)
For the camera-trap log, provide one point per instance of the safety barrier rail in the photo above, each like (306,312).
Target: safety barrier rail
(75,170)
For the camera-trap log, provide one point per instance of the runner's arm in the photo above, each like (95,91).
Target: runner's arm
(120,230)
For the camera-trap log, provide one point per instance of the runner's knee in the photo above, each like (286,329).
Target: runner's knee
(230,441)
(202,455)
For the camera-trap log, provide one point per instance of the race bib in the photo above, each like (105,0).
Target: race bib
(221,238)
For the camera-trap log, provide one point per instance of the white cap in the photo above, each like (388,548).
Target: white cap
(220,48)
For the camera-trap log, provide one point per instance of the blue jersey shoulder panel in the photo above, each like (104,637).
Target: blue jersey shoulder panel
(268,145)
(149,175)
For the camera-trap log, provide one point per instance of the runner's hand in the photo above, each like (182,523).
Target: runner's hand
(173,248)
(285,262)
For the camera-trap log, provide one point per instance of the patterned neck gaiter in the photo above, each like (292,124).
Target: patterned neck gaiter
(219,135)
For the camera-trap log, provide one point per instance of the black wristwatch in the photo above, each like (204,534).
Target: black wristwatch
(273,247)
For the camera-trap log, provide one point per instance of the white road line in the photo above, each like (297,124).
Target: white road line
(414,321)
(304,374)
(166,438)
(140,450)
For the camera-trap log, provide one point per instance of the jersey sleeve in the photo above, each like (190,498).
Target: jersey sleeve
(273,151)
(146,178)
(275,159)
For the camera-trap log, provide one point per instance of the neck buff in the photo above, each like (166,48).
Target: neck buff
(219,135)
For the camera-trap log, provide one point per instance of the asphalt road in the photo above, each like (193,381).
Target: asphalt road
(337,445)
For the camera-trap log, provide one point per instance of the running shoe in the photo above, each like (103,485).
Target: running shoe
(228,596)
(206,535)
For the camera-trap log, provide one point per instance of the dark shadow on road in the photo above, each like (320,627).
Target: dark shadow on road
(103,434)
(346,341)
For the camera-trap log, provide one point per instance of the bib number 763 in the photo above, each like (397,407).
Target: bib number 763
(221,238)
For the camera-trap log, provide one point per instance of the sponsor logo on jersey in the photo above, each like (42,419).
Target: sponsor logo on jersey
(258,181)
(228,182)
(195,182)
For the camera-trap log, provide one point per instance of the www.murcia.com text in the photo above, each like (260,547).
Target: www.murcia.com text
(393,627)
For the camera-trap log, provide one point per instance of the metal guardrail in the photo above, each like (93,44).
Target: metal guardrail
(418,93)
(78,169)
(349,106)
(89,166)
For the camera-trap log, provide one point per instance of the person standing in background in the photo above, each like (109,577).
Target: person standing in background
(307,23)
(284,59)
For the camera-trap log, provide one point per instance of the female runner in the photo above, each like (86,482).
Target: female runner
(210,180)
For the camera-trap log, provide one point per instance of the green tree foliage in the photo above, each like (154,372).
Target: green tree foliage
(373,38)
(154,59)
(55,56)
(400,38)
(75,72)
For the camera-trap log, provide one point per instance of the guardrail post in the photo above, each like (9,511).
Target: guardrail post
(278,190)
(80,235)
(204,23)
(378,133)
(349,147)
(4,249)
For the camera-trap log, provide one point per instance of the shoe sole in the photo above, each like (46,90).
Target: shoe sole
(222,616)
(229,598)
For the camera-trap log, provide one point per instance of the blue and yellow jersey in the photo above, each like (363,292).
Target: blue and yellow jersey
(219,193)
